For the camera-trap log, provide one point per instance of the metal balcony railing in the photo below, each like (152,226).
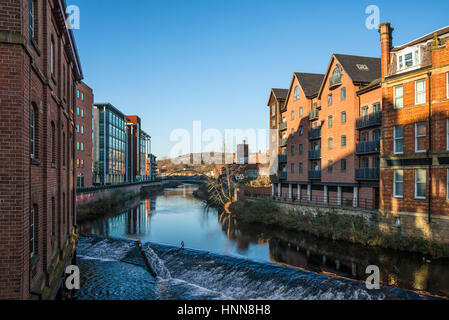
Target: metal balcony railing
(367,174)
(314,115)
(314,174)
(315,134)
(374,119)
(282,158)
(314,154)
(283,126)
(283,175)
(283,142)
(368,147)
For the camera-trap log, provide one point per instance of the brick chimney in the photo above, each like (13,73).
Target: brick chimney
(386,43)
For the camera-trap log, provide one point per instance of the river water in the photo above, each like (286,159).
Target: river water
(226,260)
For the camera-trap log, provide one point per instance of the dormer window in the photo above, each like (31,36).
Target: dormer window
(336,78)
(296,93)
(408,59)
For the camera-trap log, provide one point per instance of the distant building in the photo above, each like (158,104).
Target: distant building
(242,153)
(109,145)
(83,135)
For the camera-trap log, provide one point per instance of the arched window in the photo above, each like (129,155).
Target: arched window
(33,131)
(53,142)
(336,77)
(297,93)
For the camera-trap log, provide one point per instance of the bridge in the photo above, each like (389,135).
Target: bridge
(197,176)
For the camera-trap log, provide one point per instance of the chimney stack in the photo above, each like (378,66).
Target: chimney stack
(386,43)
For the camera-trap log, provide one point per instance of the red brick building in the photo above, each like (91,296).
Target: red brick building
(415,134)
(39,67)
(83,134)
(329,130)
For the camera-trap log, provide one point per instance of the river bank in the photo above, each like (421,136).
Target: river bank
(351,228)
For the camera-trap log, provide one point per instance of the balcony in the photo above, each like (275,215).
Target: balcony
(282,158)
(368,147)
(283,175)
(315,175)
(282,126)
(315,134)
(283,142)
(372,120)
(314,115)
(367,174)
(315,155)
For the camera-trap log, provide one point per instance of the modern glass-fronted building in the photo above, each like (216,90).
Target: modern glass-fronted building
(110,145)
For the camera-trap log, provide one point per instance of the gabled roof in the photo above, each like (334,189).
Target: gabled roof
(359,69)
(279,94)
(427,37)
(310,82)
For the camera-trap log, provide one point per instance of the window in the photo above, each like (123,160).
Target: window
(376,135)
(364,163)
(301,149)
(292,150)
(77,145)
(364,111)
(82,129)
(32,19)
(82,113)
(77,163)
(78,94)
(82,96)
(343,93)
(330,166)
(420,91)
(398,135)
(293,115)
(293,132)
(376,107)
(343,141)
(330,143)
(408,59)
(330,121)
(82,146)
(296,93)
(78,111)
(301,167)
(329,99)
(420,183)
(52,56)
(292,168)
(398,183)
(336,78)
(32,132)
(78,128)
(301,130)
(343,117)
(301,111)
(420,136)
(33,233)
(53,143)
(343,164)
(398,97)
(82,164)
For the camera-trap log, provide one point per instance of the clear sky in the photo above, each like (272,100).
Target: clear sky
(173,62)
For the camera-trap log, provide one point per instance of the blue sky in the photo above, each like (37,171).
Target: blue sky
(173,62)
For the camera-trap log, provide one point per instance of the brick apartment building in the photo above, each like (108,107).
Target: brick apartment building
(415,134)
(39,67)
(329,130)
(139,149)
(83,134)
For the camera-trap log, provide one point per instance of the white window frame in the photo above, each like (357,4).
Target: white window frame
(395,195)
(416,184)
(395,106)
(416,59)
(417,137)
(398,138)
(416,91)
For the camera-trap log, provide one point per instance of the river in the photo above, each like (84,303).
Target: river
(176,217)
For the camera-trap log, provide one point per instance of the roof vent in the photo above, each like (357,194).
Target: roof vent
(362,67)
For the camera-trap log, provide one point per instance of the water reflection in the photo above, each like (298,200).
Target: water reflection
(176,216)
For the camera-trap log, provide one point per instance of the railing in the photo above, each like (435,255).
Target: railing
(374,119)
(367,147)
(315,174)
(329,201)
(114,186)
(367,174)
(314,154)
(314,115)
(282,158)
(283,142)
(283,175)
(315,133)
(283,126)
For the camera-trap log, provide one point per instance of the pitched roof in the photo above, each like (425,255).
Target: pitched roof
(310,82)
(426,37)
(360,69)
(280,94)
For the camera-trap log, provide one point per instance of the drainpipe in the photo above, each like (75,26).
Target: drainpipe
(429,74)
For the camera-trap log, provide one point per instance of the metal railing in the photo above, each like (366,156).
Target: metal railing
(314,115)
(282,174)
(315,174)
(283,142)
(315,133)
(367,174)
(374,119)
(367,147)
(314,154)
(283,126)
(282,158)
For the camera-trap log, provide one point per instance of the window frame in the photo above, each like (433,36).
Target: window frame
(52,56)
(32,132)
(330,99)
(301,111)
(395,195)
(416,184)
(330,121)
(395,138)
(32,231)
(296,93)
(343,117)
(343,139)
(395,106)
(343,167)
(330,143)
(416,91)
(418,137)
(343,94)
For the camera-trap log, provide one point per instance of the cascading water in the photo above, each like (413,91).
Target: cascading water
(116,269)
